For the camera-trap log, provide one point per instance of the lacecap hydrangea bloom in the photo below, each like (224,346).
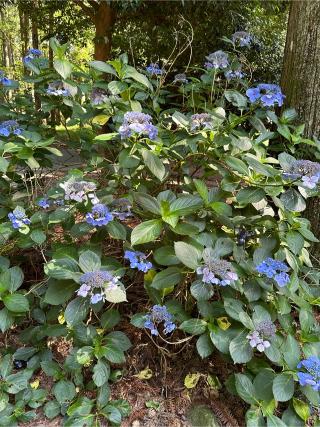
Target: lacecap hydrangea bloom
(121,208)
(18,218)
(311,372)
(95,284)
(57,89)
(217,272)
(10,127)
(32,54)
(259,338)
(138,260)
(268,95)
(79,191)
(306,170)
(241,38)
(99,216)
(137,123)
(217,60)
(159,314)
(276,270)
(234,74)
(201,121)
(98,96)
(154,69)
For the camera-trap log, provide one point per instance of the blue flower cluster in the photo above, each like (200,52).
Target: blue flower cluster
(217,272)
(32,54)
(18,218)
(154,70)
(99,216)
(137,123)
(122,209)
(308,171)
(5,81)
(159,314)
(201,121)
(259,338)
(10,127)
(57,89)
(234,74)
(102,280)
(276,270)
(267,94)
(311,374)
(217,60)
(45,203)
(138,260)
(241,38)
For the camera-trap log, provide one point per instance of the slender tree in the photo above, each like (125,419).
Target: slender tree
(300,80)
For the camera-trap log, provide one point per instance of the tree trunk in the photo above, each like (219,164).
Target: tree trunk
(103,22)
(300,81)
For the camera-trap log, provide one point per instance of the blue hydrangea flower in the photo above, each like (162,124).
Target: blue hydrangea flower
(57,89)
(267,94)
(5,81)
(241,38)
(154,69)
(44,203)
(217,60)
(234,74)
(18,218)
(311,374)
(93,281)
(137,123)
(216,271)
(10,127)
(306,170)
(99,216)
(79,191)
(276,270)
(159,314)
(138,260)
(201,121)
(32,54)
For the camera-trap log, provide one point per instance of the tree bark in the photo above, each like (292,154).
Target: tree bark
(103,22)
(300,81)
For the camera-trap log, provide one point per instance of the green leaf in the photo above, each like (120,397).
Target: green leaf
(201,291)
(273,421)
(221,208)
(113,354)
(89,261)
(237,165)
(295,241)
(38,236)
(64,391)
(236,98)
(148,203)
(293,201)
(101,373)
(263,384)
(59,292)
(154,163)
(3,165)
(185,205)
(204,346)
(187,254)
(283,387)
(117,230)
(145,232)
(291,352)
(167,278)
(202,189)
(301,408)
(240,349)
(194,326)
(110,318)
(103,67)
(245,388)
(165,256)
(76,311)
(132,73)
(106,136)
(63,67)
(250,195)
(6,320)
(17,303)
(16,278)
(119,340)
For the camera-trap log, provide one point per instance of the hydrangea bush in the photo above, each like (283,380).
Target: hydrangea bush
(195,176)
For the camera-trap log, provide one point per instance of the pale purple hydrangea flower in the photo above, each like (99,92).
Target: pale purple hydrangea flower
(138,260)
(79,191)
(57,88)
(201,121)
(121,209)
(306,170)
(242,38)
(98,96)
(154,69)
(10,127)
(159,314)
(217,60)
(234,74)
(311,374)
(100,280)
(267,94)
(137,123)
(18,218)
(180,78)
(216,271)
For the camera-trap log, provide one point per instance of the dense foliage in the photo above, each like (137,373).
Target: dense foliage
(195,179)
